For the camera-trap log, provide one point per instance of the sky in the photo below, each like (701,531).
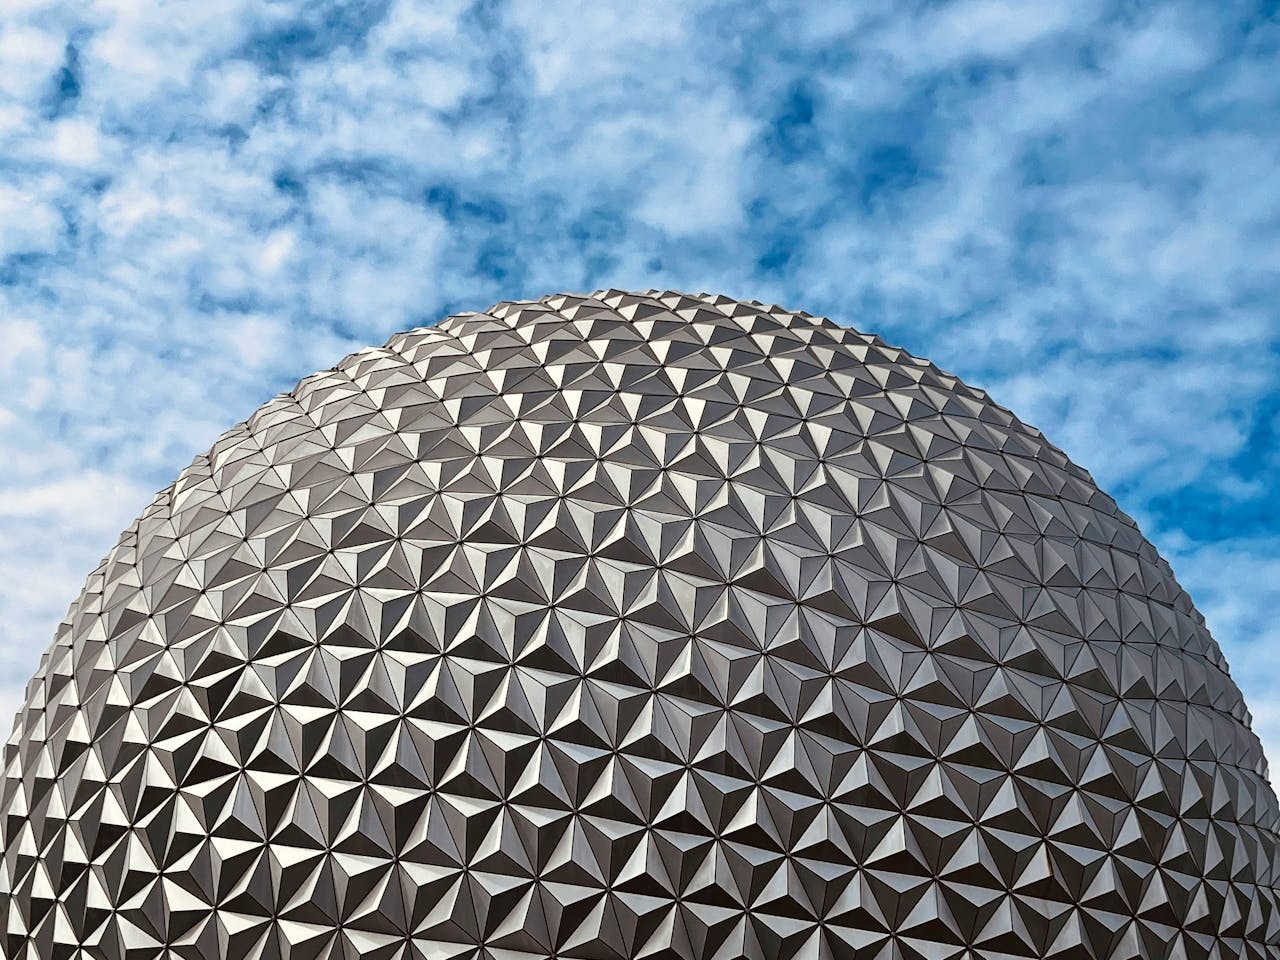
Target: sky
(1073,205)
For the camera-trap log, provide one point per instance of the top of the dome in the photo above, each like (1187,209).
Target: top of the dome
(635,624)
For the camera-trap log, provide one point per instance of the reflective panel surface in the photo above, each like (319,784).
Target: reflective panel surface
(634,625)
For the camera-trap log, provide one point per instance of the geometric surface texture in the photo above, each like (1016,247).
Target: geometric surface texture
(635,625)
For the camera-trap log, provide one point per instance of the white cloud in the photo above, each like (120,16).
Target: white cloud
(279,246)
(976,29)
(12,697)
(31,224)
(53,531)
(28,58)
(232,91)
(587,44)
(1166,45)
(702,190)
(75,143)
(142,52)
(21,339)
(1122,419)
(67,498)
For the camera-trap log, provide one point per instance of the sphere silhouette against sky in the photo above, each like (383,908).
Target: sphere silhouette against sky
(635,625)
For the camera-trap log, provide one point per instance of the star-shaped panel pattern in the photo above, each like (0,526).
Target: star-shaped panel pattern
(635,625)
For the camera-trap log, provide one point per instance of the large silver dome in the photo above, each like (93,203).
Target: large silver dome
(635,625)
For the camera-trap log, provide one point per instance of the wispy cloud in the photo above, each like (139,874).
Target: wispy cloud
(1071,204)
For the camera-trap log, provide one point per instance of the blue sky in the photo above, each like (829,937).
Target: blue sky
(1075,205)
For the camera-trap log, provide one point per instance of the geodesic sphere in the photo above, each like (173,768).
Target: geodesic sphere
(635,625)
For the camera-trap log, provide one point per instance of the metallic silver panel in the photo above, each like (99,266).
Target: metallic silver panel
(635,625)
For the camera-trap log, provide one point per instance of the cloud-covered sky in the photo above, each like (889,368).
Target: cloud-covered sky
(1075,205)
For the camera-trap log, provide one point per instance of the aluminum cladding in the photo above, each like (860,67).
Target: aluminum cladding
(635,625)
